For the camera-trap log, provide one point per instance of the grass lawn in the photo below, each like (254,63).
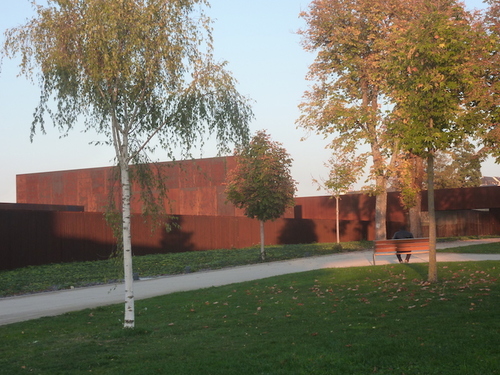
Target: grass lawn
(382,320)
(367,320)
(488,248)
(65,275)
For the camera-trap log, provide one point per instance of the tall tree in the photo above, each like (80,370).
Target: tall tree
(434,77)
(350,38)
(490,103)
(137,71)
(261,182)
(345,170)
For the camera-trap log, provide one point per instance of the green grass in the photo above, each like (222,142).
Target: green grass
(65,275)
(367,320)
(488,248)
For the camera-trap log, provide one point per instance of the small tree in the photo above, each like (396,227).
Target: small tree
(345,170)
(261,182)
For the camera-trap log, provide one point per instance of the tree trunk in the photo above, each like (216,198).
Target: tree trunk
(415,218)
(415,212)
(381,192)
(380,209)
(433,277)
(129,321)
(337,198)
(262,249)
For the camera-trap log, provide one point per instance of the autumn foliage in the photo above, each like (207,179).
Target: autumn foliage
(261,183)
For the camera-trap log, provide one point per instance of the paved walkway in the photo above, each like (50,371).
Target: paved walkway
(18,309)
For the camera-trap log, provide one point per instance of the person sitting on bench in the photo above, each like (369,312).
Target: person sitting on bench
(400,234)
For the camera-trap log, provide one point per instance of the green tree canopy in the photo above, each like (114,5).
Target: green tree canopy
(261,183)
(434,78)
(490,102)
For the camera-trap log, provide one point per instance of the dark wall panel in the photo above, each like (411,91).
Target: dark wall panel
(465,198)
(42,237)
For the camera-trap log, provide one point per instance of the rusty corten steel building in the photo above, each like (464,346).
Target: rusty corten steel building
(48,224)
(195,187)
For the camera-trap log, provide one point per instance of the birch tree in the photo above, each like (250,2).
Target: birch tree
(261,183)
(139,72)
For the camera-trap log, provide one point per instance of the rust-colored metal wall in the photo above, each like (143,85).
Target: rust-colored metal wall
(195,187)
(351,207)
(355,207)
(468,222)
(86,187)
(39,207)
(42,237)
(464,198)
(196,190)
(362,206)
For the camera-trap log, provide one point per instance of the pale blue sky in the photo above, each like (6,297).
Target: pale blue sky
(258,38)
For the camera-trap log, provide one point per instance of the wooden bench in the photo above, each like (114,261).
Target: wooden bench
(402,246)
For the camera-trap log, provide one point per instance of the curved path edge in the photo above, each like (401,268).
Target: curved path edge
(22,308)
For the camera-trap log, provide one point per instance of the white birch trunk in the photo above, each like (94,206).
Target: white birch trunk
(262,249)
(129,320)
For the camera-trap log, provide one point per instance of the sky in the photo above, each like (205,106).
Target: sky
(259,40)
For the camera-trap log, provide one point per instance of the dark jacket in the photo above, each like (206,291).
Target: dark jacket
(400,234)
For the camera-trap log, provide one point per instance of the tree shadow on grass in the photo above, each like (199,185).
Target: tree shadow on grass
(420,269)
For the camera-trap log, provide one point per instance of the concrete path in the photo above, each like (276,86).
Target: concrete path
(18,309)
